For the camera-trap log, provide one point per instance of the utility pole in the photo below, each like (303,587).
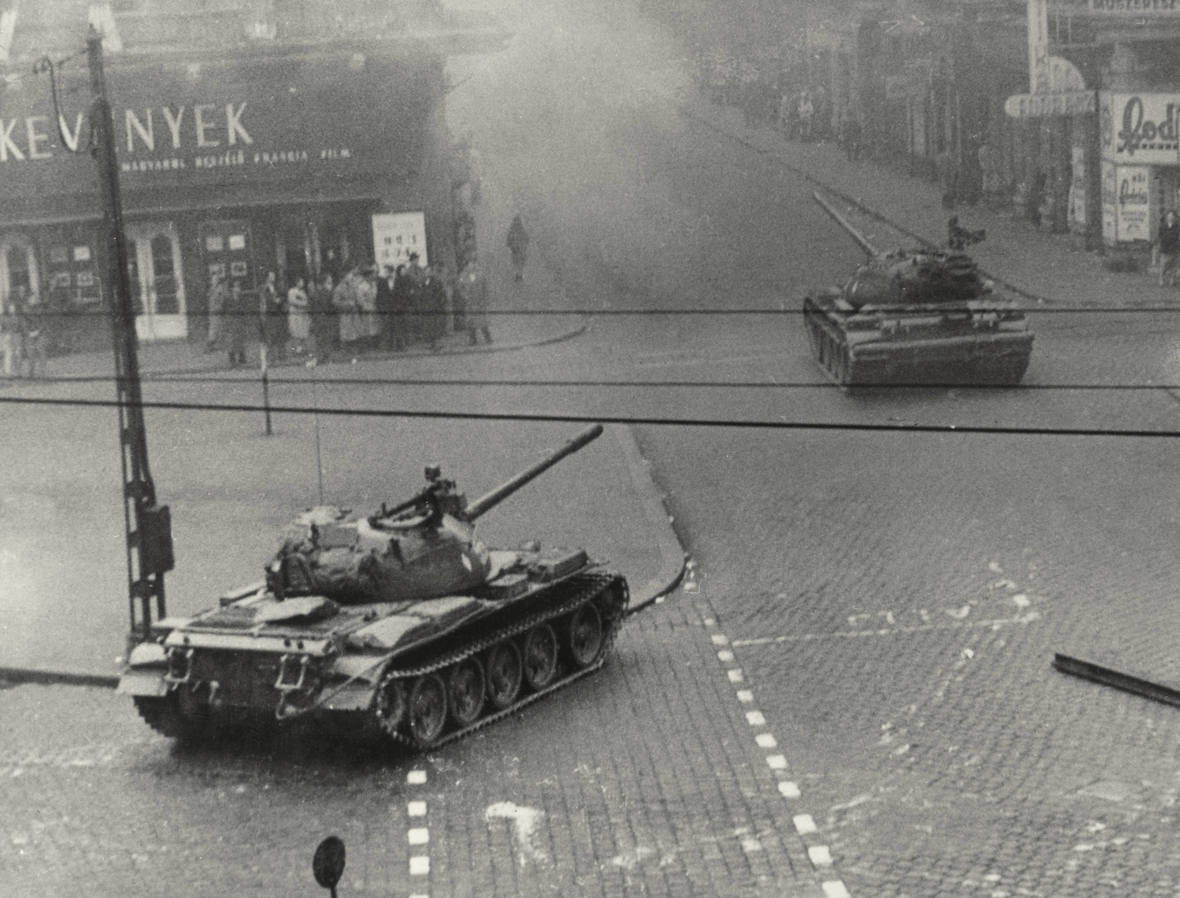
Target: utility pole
(148,526)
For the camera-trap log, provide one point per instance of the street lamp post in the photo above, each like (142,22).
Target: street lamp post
(148,526)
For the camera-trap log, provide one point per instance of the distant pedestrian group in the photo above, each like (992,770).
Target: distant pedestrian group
(358,309)
(23,338)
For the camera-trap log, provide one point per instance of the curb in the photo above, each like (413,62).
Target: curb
(673,558)
(163,374)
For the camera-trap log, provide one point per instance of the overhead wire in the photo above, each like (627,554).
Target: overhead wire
(633,420)
(195,379)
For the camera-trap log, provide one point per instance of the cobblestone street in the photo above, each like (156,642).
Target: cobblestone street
(648,778)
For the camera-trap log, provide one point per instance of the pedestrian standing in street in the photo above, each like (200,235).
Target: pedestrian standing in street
(1169,245)
(849,135)
(948,178)
(518,246)
(400,303)
(272,319)
(238,324)
(324,330)
(415,302)
(10,336)
(434,302)
(786,113)
(298,321)
(218,297)
(385,323)
(473,287)
(366,301)
(33,322)
(344,300)
(806,114)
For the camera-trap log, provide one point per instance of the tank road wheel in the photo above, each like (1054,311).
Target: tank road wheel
(585,636)
(465,692)
(427,710)
(540,657)
(391,704)
(504,673)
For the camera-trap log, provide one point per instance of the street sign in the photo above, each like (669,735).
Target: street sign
(1076,102)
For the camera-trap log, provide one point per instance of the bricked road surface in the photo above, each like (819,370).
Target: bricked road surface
(643,779)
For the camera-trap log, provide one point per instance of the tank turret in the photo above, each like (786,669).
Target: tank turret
(908,277)
(400,626)
(421,548)
(923,316)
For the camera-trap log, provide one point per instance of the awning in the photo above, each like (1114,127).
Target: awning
(76,208)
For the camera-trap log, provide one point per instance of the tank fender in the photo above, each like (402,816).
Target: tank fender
(362,668)
(142,681)
(147,654)
(352,682)
(144,674)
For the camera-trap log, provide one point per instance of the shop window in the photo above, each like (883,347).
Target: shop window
(167,298)
(19,274)
(71,276)
(228,250)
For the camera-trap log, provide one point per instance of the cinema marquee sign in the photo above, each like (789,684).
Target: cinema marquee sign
(168,138)
(228,128)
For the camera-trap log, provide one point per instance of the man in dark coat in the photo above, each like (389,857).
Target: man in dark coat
(240,325)
(273,319)
(518,246)
(325,332)
(387,326)
(1169,243)
(434,303)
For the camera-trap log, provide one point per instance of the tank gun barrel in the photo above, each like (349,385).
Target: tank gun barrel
(502,492)
(846,225)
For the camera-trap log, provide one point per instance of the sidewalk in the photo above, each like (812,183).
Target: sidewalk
(509,332)
(1040,266)
(618,514)
(539,293)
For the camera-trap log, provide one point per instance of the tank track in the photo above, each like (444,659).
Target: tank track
(163,715)
(612,623)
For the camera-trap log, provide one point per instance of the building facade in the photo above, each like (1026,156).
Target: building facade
(248,148)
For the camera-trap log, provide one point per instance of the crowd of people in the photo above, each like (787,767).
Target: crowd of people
(22,334)
(766,97)
(347,311)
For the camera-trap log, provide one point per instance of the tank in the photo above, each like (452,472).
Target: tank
(399,625)
(916,316)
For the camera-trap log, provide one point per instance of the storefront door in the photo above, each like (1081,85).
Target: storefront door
(18,267)
(157,285)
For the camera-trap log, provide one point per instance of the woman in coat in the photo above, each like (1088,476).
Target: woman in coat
(298,319)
